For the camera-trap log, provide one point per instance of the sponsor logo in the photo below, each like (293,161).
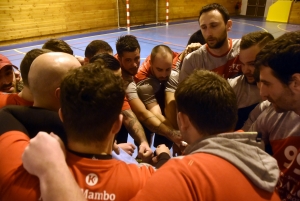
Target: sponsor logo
(91,179)
(98,195)
(234,68)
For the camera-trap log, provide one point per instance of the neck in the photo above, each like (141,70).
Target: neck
(222,50)
(26,94)
(46,105)
(99,148)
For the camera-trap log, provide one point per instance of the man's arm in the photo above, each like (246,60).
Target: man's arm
(254,114)
(134,127)
(152,122)
(170,109)
(189,49)
(137,132)
(56,180)
(187,67)
(155,109)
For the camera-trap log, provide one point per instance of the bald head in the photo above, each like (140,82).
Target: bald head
(161,62)
(162,50)
(46,73)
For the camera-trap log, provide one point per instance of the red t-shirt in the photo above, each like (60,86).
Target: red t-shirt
(98,179)
(126,105)
(13,99)
(201,176)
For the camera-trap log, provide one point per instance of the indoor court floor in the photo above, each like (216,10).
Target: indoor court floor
(175,36)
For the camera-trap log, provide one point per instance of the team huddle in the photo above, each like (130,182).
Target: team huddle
(229,108)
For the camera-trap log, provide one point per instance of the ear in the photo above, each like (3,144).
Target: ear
(86,60)
(229,25)
(57,93)
(295,82)
(183,121)
(60,115)
(117,125)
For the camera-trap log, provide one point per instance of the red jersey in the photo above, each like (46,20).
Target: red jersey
(126,105)
(108,179)
(13,99)
(201,176)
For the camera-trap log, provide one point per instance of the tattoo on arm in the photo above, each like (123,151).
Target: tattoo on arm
(133,126)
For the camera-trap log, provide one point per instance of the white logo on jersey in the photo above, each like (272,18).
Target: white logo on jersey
(174,73)
(234,68)
(91,179)
(91,195)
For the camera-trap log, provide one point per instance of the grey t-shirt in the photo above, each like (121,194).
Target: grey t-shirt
(146,89)
(226,65)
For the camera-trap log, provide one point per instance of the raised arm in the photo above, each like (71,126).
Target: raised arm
(45,159)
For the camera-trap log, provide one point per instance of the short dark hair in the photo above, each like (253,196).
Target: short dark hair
(282,55)
(96,46)
(196,37)
(260,38)
(215,6)
(58,45)
(209,102)
(158,49)
(27,61)
(127,43)
(106,60)
(91,101)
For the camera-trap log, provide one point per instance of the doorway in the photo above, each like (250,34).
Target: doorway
(256,8)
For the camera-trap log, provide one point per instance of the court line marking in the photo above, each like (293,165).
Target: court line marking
(278,26)
(251,25)
(141,29)
(19,51)
(105,34)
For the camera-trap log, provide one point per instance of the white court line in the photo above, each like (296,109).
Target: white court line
(141,29)
(103,35)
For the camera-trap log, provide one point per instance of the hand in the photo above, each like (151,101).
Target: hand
(116,148)
(80,59)
(162,148)
(145,152)
(44,153)
(192,47)
(176,136)
(127,147)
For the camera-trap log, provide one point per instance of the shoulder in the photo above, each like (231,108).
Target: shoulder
(14,136)
(235,46)
(143,71)
(7,99)
(197,53)
(236,81)
(236,42)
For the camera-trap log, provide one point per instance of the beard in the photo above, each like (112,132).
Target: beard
(250,82)
(220,41)
(131,72)
(8,88)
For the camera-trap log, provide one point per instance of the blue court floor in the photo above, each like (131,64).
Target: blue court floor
(175,36)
